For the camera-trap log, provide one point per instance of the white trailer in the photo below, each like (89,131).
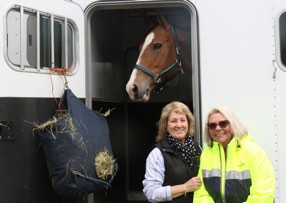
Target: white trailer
(238,60)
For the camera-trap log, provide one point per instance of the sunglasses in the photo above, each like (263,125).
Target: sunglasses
(221,124)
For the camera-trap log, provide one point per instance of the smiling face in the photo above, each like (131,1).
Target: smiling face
(221,133)
(177,126)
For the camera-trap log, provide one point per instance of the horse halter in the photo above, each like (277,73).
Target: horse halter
(175,66)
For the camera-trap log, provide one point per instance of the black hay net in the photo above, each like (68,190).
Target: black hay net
(77,149)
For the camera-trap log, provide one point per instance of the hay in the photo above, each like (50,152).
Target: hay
(3,125)
(50,125)
(107,113)
(104,164)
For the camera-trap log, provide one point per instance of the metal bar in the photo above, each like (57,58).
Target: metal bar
(66,43)
(38,41)
(52,42)
(22,38)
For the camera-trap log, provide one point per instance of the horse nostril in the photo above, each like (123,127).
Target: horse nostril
(135,89)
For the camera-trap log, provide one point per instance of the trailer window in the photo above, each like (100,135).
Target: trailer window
(282,37)
(37,41)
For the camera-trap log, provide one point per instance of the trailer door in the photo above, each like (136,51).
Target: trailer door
(37,36)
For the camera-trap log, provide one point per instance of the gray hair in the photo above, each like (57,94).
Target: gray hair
(238,130)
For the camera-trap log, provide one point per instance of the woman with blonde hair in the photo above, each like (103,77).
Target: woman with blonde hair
(233,168)
(172,165)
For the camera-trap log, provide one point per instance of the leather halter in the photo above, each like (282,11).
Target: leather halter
(177,66)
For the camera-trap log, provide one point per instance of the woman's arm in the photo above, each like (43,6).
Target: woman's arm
(262,176)
(201,195)
(154,178)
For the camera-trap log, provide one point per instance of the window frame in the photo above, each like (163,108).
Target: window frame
(68,35)
(281,40)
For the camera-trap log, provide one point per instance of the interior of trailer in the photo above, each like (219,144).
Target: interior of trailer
(115,34)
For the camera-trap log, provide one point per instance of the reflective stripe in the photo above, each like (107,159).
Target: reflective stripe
(238,175)
(211,173)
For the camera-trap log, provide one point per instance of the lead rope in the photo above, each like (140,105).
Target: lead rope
(62,72)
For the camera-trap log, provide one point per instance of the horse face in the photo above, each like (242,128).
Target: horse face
(157,53)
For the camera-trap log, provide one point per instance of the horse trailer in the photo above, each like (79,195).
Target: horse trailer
(237,53)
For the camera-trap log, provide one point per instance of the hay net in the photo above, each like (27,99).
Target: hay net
(76,144)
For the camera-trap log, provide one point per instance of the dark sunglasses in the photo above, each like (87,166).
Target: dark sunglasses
(221,124)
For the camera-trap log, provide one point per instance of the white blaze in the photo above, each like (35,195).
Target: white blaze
(147,42)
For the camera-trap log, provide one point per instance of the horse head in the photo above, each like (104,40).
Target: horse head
(159,60)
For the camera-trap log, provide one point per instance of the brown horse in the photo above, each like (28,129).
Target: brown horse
(161,58)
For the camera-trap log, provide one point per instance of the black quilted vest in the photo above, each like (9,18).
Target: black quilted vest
(177,170)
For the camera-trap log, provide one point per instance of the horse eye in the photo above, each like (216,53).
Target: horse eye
(157,46)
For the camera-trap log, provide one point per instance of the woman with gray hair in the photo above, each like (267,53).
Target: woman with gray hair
(233,168)
(172,165)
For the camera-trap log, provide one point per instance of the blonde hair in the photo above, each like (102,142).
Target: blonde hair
(177,107)
(238,130)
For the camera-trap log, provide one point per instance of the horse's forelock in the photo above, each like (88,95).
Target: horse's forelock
(159,22)
(150,28)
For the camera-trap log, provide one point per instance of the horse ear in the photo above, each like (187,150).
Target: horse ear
(162,20)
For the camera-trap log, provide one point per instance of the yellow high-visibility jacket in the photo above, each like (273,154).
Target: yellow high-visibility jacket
(244,174)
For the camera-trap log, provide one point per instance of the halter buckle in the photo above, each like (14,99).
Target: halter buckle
(157,78)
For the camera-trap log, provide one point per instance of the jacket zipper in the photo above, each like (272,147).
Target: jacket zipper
(223,170)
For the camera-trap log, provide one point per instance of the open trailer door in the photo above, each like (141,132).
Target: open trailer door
(114,31)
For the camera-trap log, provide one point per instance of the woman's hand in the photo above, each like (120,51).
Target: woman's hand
(189,186)
(193,184)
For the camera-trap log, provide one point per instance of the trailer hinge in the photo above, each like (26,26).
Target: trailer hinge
(274,69)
